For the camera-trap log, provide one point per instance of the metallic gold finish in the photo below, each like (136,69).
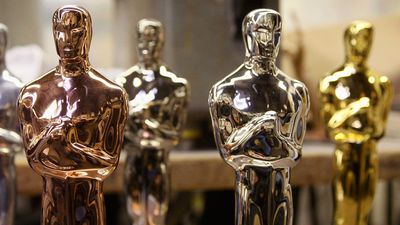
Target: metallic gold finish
(10,141)
(355,102)
(72,121)
(259,120)
(157,112)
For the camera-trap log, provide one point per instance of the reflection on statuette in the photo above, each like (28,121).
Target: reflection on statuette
(72,124)
(10,141)
(355,102)
(157,112)
(259,121)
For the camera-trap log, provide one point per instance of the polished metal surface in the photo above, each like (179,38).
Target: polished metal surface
(157,112)
(72,124)
(259,120)
(355,104)
(10,140)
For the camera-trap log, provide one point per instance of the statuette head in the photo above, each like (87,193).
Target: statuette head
(261,33)
(358,40)
(72,30)
(150,35)
(3,41)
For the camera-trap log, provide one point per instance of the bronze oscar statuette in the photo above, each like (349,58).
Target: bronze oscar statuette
(158,100)
(259,120)
(10,141)
(355,103)
(72,125)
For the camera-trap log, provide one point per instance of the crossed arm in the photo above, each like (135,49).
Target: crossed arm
(164,126)
(337,119)
(62,133)
(236,140)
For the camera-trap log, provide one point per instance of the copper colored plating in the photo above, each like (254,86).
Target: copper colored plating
(72,123)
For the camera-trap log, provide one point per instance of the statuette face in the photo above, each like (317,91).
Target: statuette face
(259,120)
(72,121)
(150,37)
(262,34)
(355,104)
(358,41)
(72,31)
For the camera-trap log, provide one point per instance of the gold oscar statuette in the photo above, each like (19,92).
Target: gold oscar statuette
(355,102)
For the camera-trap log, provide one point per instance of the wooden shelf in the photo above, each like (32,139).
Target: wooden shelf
(205,170)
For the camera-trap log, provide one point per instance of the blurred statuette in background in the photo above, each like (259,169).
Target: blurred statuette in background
(72,124)
(259,119)
(157,113)
(355,102)
(10,141)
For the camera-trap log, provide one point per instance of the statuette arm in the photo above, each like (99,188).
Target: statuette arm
(387,97)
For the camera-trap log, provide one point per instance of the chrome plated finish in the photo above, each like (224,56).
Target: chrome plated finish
(72,123)
(355,104)
(157,112)
(10,141)
(259,120)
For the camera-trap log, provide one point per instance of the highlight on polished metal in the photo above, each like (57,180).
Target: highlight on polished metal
(72,124)
(355,102)
(259,120)
(157,112)
(10,141)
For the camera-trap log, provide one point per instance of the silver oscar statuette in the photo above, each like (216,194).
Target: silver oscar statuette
(10,141)
(157,112)
(259,121)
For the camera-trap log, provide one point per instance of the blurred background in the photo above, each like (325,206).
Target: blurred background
(204,44)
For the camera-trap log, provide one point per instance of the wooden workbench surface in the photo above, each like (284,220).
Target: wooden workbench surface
(205,170)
